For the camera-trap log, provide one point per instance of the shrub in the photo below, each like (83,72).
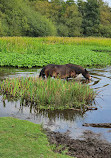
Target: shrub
(21,19)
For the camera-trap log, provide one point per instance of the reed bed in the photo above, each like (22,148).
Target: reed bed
(97,41)
(48,94)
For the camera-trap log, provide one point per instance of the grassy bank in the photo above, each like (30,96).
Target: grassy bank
(48,94)
(23,139)
(30,52)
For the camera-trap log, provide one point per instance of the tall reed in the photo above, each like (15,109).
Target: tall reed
(50,93)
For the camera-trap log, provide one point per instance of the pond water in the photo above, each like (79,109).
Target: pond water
(65,120)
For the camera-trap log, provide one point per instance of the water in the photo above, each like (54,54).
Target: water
(65,120)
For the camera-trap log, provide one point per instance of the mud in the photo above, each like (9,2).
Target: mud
(90,146)
(102,125)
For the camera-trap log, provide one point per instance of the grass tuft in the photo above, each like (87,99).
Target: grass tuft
(48,94)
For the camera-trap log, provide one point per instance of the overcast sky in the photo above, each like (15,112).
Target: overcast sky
(108,1)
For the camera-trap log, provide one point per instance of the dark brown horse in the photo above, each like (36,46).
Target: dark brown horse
(63,71)
(57,71)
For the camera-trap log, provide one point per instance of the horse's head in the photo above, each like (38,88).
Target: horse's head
(86,75)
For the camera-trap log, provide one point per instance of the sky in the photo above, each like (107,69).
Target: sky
(108,1)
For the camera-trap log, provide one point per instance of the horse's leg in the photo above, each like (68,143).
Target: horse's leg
(57,75)
(66,78)
(47,73)
(73,74)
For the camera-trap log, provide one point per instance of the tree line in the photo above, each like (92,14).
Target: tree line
(55,17)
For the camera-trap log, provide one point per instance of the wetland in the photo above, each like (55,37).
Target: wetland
(65,128)
(68,122)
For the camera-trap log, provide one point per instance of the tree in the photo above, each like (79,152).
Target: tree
(105,19)
(81,6)
(65,16)
(22,20)
(73,20)
(91,17)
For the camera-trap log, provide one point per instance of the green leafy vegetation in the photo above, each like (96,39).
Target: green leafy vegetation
(55,17)
(48,94)
(30,52)
(19,19)
(19,138)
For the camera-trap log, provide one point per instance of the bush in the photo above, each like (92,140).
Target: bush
(105,30)
(22,20)
(62,30)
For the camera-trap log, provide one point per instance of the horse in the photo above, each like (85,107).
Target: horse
(79,70)
(63,71)
(57,71)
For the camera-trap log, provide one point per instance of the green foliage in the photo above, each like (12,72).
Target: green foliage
(55,17)
(50,93)
(105,19)
(21,138)
(3,24)
(63,30)
(96,18)
(65,15)
(21,19)
(72,20)
(30,52)
(91,19)
(105,30)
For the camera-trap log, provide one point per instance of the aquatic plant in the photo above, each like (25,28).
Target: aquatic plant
(31,52)
(48,94)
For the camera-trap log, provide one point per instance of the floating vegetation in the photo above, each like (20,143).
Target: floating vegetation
(48,94)
(30,52)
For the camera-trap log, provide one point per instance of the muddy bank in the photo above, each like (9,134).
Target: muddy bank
(90,146)
(102,125)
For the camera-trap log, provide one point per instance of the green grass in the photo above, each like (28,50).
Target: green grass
(48,94)
(30,52)
(23,139)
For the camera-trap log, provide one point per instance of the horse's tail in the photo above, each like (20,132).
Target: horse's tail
(42,73)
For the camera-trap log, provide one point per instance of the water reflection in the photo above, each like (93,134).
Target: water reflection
(33,110)
(61,114)
(15,72)
(63,120)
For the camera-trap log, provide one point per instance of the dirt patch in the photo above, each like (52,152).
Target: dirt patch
(91,146)
(102,125)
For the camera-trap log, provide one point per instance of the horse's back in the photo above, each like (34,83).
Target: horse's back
(77,68)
